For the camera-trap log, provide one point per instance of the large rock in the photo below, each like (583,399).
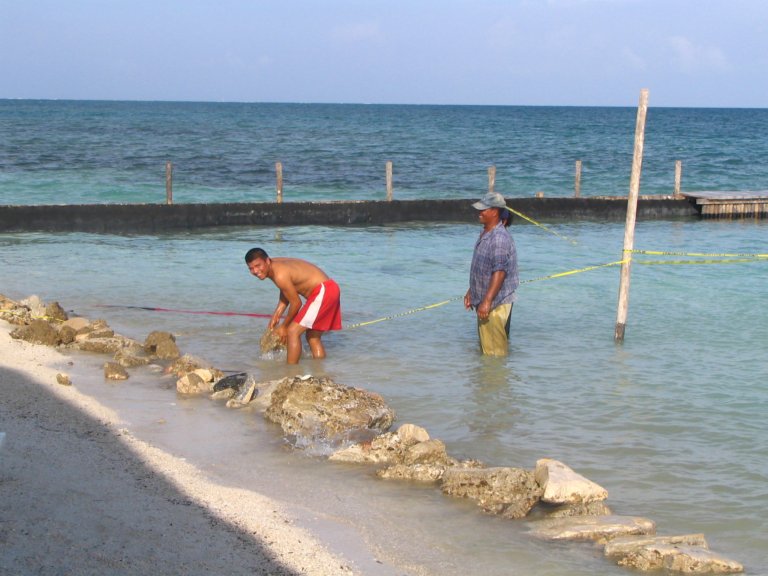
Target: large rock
(509,492)
(37,332)
(320,410)
(388,448)
(113,371)
(162,345)
(688,554)
(597,508)
(55,313)
(601,529)
(564,486)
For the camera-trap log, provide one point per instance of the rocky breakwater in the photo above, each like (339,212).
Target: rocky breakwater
(353,426)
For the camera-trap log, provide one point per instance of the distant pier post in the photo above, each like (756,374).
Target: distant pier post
(629,227)
(678,176)
(389,180)
(169,183)
(279,176)
(577,180)
(491,178)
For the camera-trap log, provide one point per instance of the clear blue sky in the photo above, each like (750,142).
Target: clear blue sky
(538,52)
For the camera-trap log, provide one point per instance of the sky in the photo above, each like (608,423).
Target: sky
(689,53)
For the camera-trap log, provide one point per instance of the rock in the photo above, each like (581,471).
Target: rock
(77,323)
(564,486)
(413,472)
(206,374)
(132,355)
(270,342)
(317,409)
(113,371)
(224,394)
(37,332)
(67,334)
(162,345)
(598,508)
(509,492)
(598,528)
(192,384)
(35,306)
(55,313)
(387,448)
(245,395)
(688,554)
(428,452)
(13,312)
(108,345)
(412,434)
(233,382)
(63,379)
(184,364)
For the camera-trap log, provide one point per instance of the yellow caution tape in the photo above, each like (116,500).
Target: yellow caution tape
(569,272)
(720,261)
(532,221)
(697,254)
(429,307)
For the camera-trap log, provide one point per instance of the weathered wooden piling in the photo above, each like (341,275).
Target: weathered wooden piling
(577,180)
(169,183)
(279,177)
(629,227)
(389,180)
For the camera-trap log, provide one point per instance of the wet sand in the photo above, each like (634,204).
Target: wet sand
(80,495)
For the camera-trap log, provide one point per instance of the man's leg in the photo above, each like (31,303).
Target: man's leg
(294,342)
(494,332)
(315,343)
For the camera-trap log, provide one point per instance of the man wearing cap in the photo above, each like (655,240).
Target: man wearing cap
(493,277)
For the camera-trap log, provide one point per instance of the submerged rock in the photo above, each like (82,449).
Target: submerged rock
(320,410)
(688,554)
(114,371)
(598,528)
(508,492)
(270,342)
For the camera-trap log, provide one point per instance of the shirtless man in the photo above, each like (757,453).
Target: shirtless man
(321,311)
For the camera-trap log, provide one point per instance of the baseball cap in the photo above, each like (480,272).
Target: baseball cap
(490,200)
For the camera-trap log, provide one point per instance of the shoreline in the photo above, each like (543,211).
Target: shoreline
(80,494)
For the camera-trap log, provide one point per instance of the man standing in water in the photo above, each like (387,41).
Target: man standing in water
(294,278)
(493,277)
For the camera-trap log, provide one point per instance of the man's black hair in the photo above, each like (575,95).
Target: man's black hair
(255,253)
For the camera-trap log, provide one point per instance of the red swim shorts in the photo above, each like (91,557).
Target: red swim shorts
(322,310)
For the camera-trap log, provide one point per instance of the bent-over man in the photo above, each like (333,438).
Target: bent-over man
(295,278)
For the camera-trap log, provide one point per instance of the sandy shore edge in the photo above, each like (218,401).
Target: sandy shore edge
(80,494)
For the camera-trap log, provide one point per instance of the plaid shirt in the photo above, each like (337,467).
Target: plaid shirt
(494,250)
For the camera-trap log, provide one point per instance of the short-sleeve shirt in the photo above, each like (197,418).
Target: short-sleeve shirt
(494,250)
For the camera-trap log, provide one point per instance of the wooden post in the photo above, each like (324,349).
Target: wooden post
(168,183)
(678,176)
(629,227)
(389,180)
(279,175)
(577,183)
(491,178)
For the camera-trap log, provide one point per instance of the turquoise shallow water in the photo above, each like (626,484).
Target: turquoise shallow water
(672,422)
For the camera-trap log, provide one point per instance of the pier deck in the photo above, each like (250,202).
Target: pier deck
(731,204)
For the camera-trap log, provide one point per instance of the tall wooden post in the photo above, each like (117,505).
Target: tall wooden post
(678,176)
(279,176)
(577,180)
(629,227)
(168,183)
(389,180)
(491,178)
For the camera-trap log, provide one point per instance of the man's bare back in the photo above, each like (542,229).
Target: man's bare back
(303,275)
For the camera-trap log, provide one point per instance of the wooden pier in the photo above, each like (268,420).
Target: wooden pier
(731,204)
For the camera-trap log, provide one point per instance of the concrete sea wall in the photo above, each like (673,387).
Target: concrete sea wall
(147,218)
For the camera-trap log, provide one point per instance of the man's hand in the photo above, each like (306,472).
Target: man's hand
(483,310)
(282,334)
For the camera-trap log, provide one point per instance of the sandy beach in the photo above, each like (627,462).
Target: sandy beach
(80,495)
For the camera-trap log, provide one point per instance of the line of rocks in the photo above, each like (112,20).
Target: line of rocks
(352,425)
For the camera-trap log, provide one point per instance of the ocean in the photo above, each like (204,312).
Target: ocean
(671,422)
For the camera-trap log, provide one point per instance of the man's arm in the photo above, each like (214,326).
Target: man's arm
(289,298)
(484,308)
